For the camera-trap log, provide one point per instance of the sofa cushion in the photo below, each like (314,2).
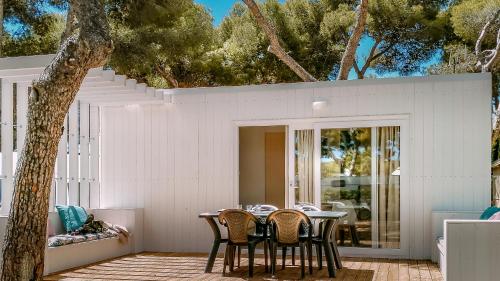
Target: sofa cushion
(66,239)
(495,217)
(72,217)
(490,211)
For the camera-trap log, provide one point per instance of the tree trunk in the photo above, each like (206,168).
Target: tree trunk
(352,44)
(167,75)
(86,44)
(275,47)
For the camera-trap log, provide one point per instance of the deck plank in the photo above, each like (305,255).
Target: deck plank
(174,266)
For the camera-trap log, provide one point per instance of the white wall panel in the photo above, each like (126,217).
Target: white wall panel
(184,162)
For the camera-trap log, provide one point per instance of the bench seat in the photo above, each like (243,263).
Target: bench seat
(66,239)
(66,251)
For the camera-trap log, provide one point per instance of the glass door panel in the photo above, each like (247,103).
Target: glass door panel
(359,174)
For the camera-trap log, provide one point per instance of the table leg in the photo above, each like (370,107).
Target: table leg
(215,246)
(327,230)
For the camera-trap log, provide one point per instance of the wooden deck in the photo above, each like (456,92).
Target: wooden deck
(171,266)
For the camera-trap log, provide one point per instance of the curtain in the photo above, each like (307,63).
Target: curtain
(388,163)
(304,165)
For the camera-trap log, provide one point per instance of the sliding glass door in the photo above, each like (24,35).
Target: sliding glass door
(356,167)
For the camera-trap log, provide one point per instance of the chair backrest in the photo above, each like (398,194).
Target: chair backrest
(265,208)
(286,225)
(346,206)
(237,222)
(306,207)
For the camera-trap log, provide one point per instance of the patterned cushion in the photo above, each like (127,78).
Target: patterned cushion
(65,239)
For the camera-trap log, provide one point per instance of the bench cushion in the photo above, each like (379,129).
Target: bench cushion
(66,239)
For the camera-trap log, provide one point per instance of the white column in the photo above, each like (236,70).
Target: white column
(7,172)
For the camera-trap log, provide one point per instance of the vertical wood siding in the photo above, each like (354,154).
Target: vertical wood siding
(177,159)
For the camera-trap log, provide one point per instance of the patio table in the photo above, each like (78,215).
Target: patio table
(330,220)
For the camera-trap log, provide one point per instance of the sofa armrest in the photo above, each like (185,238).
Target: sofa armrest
(132,219)
(472,248)
(438,218)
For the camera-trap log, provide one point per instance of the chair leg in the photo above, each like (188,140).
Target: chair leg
(273,262)
(231,258)
(293,255)
(310,257)
(319,255)
(251,253)
(239,256)
(283,257)
(266,268)
(302,261)
(226,256)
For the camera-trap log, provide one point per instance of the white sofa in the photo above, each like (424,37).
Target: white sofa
(466,248)
(79,254)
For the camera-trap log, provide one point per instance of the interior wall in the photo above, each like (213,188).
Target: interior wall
(179,159)
(252,159)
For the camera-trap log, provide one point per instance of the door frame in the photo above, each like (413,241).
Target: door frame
(402,120)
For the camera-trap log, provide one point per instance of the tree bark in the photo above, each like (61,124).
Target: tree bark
(352,44)
(87,44)
(275,47)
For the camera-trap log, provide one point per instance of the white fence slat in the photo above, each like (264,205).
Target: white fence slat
(95,192)
(7,145)
(84,155)
(62,168)
(22,114)
(73,190)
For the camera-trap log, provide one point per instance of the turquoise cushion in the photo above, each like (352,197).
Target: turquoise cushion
(72,217)
(490,211)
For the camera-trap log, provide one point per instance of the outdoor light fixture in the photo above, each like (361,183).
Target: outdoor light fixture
(319,102)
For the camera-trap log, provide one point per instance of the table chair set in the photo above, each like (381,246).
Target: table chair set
(284,228)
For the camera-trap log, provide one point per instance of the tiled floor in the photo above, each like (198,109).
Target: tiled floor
(171,266)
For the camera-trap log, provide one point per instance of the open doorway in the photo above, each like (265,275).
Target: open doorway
(262,162)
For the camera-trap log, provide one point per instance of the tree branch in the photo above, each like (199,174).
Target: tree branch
(352,44)
(167,75)
(371,57)
(275,47)
(494,54)
(356,68)
(487,63)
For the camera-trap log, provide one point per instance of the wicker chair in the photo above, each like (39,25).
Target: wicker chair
(285,232)
(239,223)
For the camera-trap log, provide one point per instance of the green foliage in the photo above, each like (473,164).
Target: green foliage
(155,38)
(410,32)
(469,17)
(42,37)
(306,33)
